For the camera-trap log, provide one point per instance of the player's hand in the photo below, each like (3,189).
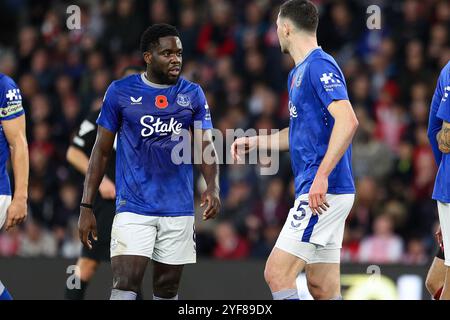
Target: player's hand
(87,225)
(438,235)
(317,195)
(107,189)
(16,213)
(242,146)
(211,198)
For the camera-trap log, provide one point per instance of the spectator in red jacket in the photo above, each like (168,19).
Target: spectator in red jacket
(216,38)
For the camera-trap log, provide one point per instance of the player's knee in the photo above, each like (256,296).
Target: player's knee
(321,290)
(166,286)
(270,275)
(276,279)
(126,282)
(318,292)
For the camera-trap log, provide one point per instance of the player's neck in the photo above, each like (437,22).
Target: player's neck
(154,80)
(301,47)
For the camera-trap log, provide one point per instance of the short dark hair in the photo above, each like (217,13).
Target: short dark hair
(302,13)
(150,37)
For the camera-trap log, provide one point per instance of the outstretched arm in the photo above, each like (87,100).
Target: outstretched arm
(96,170)
(277,141)
(15,135)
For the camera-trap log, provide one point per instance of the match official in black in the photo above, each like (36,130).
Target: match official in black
(104,208)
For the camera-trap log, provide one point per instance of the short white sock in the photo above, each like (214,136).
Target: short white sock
(288,294)
(117,294)
(158,298)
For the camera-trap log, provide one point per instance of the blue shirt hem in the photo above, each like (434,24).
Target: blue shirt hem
(330,191)
(441,199)
(158,214)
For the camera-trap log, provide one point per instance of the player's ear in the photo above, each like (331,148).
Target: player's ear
(286,28)
(147,57)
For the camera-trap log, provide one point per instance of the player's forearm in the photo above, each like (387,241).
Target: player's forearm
(96,170)
(210,167)
(341,137)
(210,173)
(278,141)
(20,164)
(78,159)
(432,138)
(443,138)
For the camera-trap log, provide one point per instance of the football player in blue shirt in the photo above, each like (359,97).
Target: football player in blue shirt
(154,193)
(439,136)
(322,125)
(12,137)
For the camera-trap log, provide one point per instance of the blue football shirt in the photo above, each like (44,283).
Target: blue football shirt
(440,109)
(434,122)
(145,117)
(313,85)
(10,108)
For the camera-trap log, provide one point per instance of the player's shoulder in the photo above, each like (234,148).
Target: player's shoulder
(188,85)
(445,73)
(126,81)
(447,67)
(6,81)
(321,58)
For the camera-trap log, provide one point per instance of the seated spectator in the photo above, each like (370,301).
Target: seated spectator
(71,246)
(272,209)
(229,245)
(384,246)
(350,246)
(415,253)
(37,242)
(10,242)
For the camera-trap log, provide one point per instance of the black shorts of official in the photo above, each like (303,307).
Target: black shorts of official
(440,253)
(104,211)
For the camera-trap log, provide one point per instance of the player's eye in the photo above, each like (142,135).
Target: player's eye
(179,54)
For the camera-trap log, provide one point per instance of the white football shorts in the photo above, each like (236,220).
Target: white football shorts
(316,238)
(5,201)
(168,240)
(444,220)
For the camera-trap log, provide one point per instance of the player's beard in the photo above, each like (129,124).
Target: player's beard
(163,77)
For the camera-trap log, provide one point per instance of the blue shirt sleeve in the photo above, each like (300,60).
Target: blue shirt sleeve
(435,123)
(444,106)
(10,100)
(110,117)
(327,81)
(202,115)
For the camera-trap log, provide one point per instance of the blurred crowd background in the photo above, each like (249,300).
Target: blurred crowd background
(231,49)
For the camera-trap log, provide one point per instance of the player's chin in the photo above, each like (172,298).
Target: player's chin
(172,77)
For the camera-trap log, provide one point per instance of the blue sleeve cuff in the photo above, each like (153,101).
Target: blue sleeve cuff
(106,125)
(13,116)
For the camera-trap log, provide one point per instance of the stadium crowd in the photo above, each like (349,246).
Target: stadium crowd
(231,48)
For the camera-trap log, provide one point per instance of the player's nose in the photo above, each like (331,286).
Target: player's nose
(175,60)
